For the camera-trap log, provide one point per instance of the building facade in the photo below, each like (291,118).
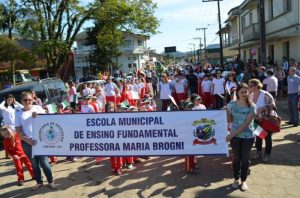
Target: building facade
(282,22)
(134,54)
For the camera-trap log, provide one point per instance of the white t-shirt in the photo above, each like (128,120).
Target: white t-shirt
(9,113)
(86,91)
(200,107)
(87,109)
(165,90)
(179,85)
(110,88)
(229,85)
(218,85)
(206,85)
(100,101)
(25,119)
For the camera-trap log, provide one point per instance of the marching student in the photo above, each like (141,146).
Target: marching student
(12,145)
(241,113)
(206,87)
(189,161)
(116,162)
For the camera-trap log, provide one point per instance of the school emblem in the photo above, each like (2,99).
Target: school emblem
(204,132)
(51,133)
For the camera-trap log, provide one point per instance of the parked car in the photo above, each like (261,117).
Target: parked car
(88,78)
(48,90)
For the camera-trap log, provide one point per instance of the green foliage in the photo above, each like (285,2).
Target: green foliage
(114,17)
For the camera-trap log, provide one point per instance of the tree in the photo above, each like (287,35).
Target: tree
(12,13)
(11,52)
(114,17)
(54,23)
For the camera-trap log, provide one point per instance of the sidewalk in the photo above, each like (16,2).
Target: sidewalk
(164,176)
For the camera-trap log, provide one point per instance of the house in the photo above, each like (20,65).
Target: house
(134,53)
(282,22)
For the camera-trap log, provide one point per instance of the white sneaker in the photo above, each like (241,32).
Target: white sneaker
(53,185)
(37,186)
(244,186)
(236,184)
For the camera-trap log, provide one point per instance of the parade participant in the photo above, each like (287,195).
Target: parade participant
(230,85)
(264,103)
(8,109)
(100,98)
(189,161)
(206,85)
(72,96)
(94,103)
(85,90)
(111,91)
(165,89)
(218,90)
(241,113)
(293,96)
(180,86)
(197,100)
(24,121)
(116,162)
(36,100)
(154,81)
(12,145)
(86,107)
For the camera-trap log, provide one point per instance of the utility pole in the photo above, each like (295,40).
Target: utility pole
(194,50)
(262,31)
(200,45)
(220,27)
(204,30)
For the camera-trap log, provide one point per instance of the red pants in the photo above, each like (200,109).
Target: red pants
(207,99)
(116,163)
(111,99)
(189,163)
(19,167)
(53,159)
(127,160)
(180,97)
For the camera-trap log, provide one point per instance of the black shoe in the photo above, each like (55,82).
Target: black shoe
(295,125)
(20,183)
(289,122)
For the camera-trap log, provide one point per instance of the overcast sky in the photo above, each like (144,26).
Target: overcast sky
(180,18)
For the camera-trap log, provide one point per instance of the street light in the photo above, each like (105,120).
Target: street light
(220,27)
(194,50)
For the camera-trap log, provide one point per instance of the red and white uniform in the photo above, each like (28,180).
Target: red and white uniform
(206,92)
(180,86)
(16,149)
(110,92)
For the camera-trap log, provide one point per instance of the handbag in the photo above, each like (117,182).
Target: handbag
(270,123)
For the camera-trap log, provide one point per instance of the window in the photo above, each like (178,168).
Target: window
(286,49)
(133,58)
(271,51)
(271,11)
(250,18)
(243,23)
(286,5)
(52,90)
(140,43)
(129,58)
(40,92)
(127,43)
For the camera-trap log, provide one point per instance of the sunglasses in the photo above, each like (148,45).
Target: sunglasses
(27,100)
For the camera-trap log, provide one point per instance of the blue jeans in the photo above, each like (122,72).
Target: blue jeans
(293,108)
(36,162)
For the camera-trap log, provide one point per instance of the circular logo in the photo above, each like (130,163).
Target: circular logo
(51,133)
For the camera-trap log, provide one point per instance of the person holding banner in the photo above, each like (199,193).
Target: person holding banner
(24,122)
(241,113)
(116,162)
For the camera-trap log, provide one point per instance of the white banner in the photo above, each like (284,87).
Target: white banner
(131,134)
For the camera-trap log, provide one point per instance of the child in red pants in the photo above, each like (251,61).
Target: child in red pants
(12,145)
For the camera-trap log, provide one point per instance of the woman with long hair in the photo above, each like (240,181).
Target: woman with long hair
(241,113)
